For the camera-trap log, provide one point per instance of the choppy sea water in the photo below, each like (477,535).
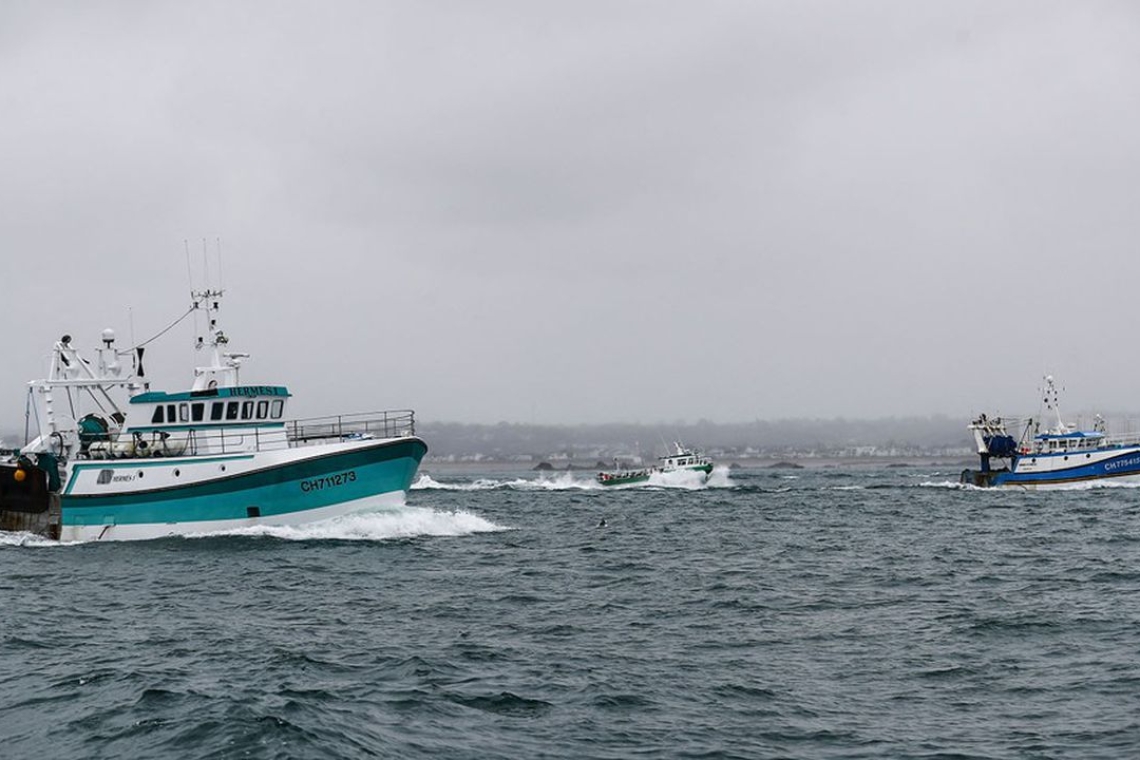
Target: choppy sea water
(772,614)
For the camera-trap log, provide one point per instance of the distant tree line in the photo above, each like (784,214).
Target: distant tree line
(517,439)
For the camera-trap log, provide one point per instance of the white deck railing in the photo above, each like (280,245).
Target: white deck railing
(226,439)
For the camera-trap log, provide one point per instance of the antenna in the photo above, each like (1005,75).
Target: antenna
(189,269)
(221,279)
(190,279)
(206,263)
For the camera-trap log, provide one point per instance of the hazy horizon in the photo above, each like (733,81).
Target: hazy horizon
(580,212)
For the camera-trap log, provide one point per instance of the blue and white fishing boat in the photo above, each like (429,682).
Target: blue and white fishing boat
(1058,456)
(219,456)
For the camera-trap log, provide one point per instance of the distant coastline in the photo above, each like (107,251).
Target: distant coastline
(810,442)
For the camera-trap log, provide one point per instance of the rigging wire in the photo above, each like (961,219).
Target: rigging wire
(162,332)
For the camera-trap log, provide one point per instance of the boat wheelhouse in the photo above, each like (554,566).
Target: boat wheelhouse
(218,456)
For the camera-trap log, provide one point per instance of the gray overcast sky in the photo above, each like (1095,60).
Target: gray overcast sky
(586,211)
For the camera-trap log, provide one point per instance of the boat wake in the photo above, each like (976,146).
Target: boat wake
(1098,485)
(406,522)
(1091,485)
(719,478)
(952,485)
(401,523)
(564,482)
(29,540)
(691,480)
(568,481)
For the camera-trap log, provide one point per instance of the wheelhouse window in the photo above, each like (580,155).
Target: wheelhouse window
(197,411)
(158,417)
(217,409)
(262,409)
(232,410)
(247,410)
(183,412)
(171,414)
(276,409)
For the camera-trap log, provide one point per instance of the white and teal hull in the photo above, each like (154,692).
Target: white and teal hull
(150,498)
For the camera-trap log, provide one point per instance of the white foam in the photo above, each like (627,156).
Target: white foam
(562,482)
(718,478)
(1093,485)
(1087,485)
(30,540)
(426,482)
(1090,485)
(688,479)
(952,485)
(407,522)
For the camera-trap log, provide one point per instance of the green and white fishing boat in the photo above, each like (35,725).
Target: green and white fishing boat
(219,456)
(681,459)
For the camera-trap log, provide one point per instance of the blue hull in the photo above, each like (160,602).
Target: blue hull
(1125,465)
(282,491)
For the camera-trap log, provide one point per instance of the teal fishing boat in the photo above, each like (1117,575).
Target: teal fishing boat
(218,456)
(681,459)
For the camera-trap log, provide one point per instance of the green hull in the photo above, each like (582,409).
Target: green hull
(625,478)
(618,479)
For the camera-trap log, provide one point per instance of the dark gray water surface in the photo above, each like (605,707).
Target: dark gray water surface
(820,614)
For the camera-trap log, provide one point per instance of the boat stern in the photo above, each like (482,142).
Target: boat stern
(27,504)
(982,478)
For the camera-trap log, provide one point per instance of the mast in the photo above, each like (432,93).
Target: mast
(1051,401)
(224,370)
